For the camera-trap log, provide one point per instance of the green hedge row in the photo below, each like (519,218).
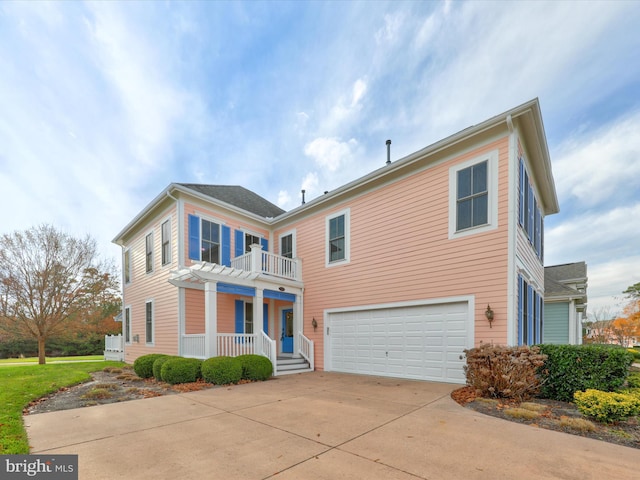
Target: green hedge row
(573,368)
(93,345)
(216,370)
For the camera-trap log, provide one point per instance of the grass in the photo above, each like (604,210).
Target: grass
(23,383)
(521,413)
(81,358)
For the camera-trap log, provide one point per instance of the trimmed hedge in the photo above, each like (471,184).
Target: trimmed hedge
(143,366)
(504,372)
(222,370)
(181,370)
(608,406)
(255,367)
(573,368)
(157,366)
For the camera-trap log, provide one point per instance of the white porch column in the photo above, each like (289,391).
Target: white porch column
(297,323)
(210,319)
(258,312)
(256,258)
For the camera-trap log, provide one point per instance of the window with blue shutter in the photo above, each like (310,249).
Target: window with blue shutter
(530,317)
(239,316)
(265,318)
(522,193)
(226,246)
(238,250)
(265,244)
(522,329)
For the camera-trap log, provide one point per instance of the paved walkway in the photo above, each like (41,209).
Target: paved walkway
(318,426)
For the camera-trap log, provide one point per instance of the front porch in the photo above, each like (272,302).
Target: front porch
(263,287)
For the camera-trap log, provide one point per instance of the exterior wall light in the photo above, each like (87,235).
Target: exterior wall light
(314,324)
(489,314)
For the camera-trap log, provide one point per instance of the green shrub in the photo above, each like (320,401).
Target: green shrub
(222,370)
(607,406)
(633,380)
(504,372)
(157,366)
(255,367)
(143,366)
(181,370)
(636,354)
(572,368)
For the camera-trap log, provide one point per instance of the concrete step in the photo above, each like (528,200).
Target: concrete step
(292,364)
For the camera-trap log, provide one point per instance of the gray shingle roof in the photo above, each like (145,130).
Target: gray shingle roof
(239,197)
(556,276)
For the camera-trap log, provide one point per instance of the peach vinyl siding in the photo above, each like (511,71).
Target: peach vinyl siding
(400,251)
(153,287)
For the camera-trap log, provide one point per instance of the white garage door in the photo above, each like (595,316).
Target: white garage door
(422,342)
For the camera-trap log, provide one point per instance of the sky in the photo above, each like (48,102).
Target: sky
(103,105)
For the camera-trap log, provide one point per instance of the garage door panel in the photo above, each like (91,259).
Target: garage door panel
(420,342)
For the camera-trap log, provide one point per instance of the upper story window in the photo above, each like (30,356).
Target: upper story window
(473,196)
(472,199)
(149,253)
(337,235)
(127,266)
(210,250)
(250,239)
(530,216)
(166,242)
(286,245)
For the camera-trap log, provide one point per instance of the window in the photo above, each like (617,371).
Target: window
(338,238)
(149,322)
(530,314)
(473,196)
(127,266)
(249,240)
(530,216)
(127,324)
(286,245)
(248,318)
(210,242)
(149,252)
(166,242)
(472,199)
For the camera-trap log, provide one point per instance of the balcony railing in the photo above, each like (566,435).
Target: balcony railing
(258,260)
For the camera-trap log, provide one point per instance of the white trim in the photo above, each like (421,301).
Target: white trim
(492,191)
(181,317)
(291,232)
(211,219)
(469,299)
(347,237)
(153,322)
(512,225)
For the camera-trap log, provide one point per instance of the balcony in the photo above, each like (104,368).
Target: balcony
(259,261)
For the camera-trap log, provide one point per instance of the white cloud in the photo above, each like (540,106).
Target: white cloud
(284,199)
(392,25)
(596,166)
(608,280)
(330,153)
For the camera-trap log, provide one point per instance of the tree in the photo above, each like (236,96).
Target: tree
(626,328)
(47,279)
(598,327)
(633,291)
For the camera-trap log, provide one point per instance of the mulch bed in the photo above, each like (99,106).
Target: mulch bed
(552,415)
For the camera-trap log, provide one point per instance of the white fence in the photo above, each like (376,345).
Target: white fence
(114,347)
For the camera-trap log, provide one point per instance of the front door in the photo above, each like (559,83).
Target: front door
(287,331)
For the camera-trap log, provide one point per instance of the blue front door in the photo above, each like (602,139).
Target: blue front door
(287,331)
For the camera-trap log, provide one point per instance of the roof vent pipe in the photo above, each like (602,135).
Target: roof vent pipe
(388,152)
(303,202)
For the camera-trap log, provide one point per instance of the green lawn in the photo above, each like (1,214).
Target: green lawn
(82,358)
(20,384)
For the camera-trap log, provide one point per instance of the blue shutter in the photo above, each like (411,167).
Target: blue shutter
(530,333)
(531,214)
(542,239)
(540,318)
(265,244)
(194,237)
(265,318)
(226,246)
(239,248)
(520,308)
(539,233)
(239,316)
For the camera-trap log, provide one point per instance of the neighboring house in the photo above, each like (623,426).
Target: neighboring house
(395,273)
(565,303)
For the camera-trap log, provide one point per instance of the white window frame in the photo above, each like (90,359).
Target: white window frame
(153,323)
(492,195)
(247,233)
(162,243)
(347,238)
(126,266)
(204,218)
(294,253)
(127,325)
(146,253)
(248,318)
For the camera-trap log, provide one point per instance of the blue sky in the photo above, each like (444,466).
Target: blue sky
(104,104)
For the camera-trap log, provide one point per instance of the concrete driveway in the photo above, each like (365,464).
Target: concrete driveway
(318,426)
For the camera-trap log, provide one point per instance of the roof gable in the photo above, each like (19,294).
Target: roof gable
(238,197)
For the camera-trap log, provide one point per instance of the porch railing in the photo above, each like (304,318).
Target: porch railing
(268,349)
(269,263)
(235,344)
(306,349)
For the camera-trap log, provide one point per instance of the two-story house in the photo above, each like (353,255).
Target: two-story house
(395,273)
